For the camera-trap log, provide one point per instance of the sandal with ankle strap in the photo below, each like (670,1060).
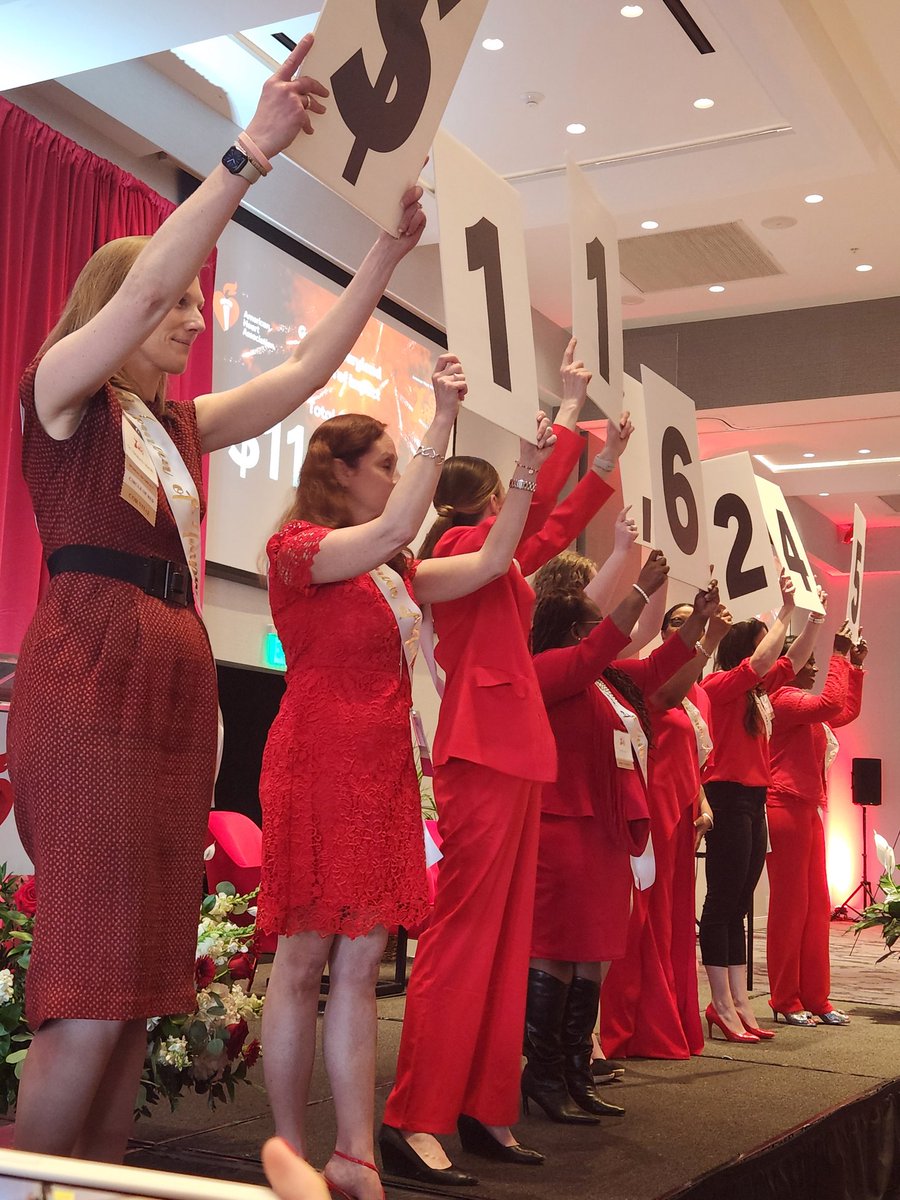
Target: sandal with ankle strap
(360,1162)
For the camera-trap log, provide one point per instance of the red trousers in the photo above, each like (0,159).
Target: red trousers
(461,1049)
(799,909)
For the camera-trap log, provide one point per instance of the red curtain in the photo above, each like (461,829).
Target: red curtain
(58,204)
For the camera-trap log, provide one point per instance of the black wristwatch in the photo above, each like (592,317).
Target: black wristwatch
(236,161)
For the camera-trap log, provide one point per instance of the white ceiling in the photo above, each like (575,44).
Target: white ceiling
(807,99)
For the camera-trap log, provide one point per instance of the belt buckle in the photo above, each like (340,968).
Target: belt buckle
(177,586)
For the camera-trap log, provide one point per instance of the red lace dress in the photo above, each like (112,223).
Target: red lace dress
(112,740)
(342,830)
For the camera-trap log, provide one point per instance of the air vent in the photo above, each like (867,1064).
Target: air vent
(659,262)
(892,502)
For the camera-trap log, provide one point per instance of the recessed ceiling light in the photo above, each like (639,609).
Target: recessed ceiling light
(649,224)
(704,102)
(864,267)
(778,222)
(814,198)
(823,494)
(492,44)
(808,454)
(576,127)
(631,10)
(864,452)
(717,287)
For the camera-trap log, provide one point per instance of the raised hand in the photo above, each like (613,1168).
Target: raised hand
(787,589)
(575,376)
(285,103)
(859,651)
(450,386)
(626,531)
(533,455)
(843,640)
(706,603)
(823,596)
(719,624)
(411,224)
(653,573)
(617,435)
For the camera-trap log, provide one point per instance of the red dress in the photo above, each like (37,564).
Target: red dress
(650,1005)
(343,849)
(112,739)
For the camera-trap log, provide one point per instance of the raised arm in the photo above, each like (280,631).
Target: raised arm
(603,586)
(804,643)
(74,368)
(853,701)
(764,656)
(653,672)
(674,689)
(793,706)
(224,418)
(348,552)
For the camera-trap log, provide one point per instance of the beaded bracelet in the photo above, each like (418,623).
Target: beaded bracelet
(525,467)
(523,485)
(698,646)
(640,591)
(429,452)
(816,620)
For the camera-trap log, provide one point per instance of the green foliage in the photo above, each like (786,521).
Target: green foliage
(885,913)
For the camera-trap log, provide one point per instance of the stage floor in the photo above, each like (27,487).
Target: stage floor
(683,1119)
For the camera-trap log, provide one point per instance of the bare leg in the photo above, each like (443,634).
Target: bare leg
(720,985)
(111,1116)
(65,1066)
(289,1030)
(351,1030)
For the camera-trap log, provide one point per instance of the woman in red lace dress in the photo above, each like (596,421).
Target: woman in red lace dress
(113,725)
(343,854)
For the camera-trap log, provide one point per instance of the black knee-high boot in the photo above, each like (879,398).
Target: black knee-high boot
(578,1025)
(543,1080)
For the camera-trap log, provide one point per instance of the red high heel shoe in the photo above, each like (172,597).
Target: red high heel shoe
(713,1018)
(764,1035)
(360,1162)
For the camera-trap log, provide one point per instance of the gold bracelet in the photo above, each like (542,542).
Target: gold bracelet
(523,485)
(525,467)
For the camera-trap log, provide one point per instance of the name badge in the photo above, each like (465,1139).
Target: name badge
(139,483)
(624,755)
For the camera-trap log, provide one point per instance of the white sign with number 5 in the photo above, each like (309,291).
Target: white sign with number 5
(739,545)
(857,568)
(788,545)
(676,483)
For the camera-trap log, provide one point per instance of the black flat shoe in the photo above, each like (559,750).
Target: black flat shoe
(606,1070)
(476,1139)
(401,1160)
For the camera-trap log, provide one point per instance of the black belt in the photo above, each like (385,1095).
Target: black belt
(157,577)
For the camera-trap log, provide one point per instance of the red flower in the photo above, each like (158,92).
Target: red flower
(251,1053)
(24,897)
(204,971)
(242,966)
(237,1035)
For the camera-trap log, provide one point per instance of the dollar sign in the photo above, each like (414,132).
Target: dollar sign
(376,122)
(245,456)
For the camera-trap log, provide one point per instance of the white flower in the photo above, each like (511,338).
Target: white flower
(885,853)
(152,1023)
(174,1052)
(6,986)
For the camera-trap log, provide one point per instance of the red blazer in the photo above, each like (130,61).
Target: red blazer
(590,783)
(739,756)
(492,712)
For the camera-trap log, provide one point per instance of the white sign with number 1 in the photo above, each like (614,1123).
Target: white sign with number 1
(789,546)
(857,568)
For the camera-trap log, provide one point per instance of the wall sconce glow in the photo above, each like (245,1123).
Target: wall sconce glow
(717,287)
(576,127)
(649,224)
(813,198)
(704,102)
(632,10)
(864,267)
(492,44)
(783,468)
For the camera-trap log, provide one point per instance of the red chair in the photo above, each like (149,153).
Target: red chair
(237,859)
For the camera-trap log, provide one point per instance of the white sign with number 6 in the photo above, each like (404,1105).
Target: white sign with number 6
(789,545)
(676,483)
(857,568)
(739,545)
(485,277)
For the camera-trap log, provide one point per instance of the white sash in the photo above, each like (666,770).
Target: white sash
(701,730)
(832,745)
(766,711)
(643,866)
(408,616)
(177,485)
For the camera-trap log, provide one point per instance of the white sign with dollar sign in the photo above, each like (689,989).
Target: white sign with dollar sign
(485,279)
(390,66)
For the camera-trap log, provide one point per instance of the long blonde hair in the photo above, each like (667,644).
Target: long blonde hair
(98,281)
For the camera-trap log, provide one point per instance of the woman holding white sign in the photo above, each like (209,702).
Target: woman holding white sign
(803,749)
(460,1053)
(113,725)
(748,668)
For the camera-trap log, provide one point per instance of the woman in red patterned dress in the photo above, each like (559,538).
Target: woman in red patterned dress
(113,725)
(343,854)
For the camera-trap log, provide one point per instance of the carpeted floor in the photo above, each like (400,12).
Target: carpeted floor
(683,1118)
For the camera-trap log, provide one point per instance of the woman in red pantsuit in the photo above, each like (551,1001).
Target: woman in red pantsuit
(650,1007)
(593,819)
(799,902)
(462,1032)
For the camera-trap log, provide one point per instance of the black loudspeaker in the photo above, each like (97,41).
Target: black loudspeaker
(865,777)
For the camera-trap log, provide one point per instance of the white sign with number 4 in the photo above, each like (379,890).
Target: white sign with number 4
(789,546)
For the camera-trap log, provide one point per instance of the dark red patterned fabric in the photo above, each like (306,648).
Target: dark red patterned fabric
(112,740)
(342,829)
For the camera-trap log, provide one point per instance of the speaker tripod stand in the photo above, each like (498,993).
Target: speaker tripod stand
(868,896)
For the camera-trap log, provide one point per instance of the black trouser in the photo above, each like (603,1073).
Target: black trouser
(735,856)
